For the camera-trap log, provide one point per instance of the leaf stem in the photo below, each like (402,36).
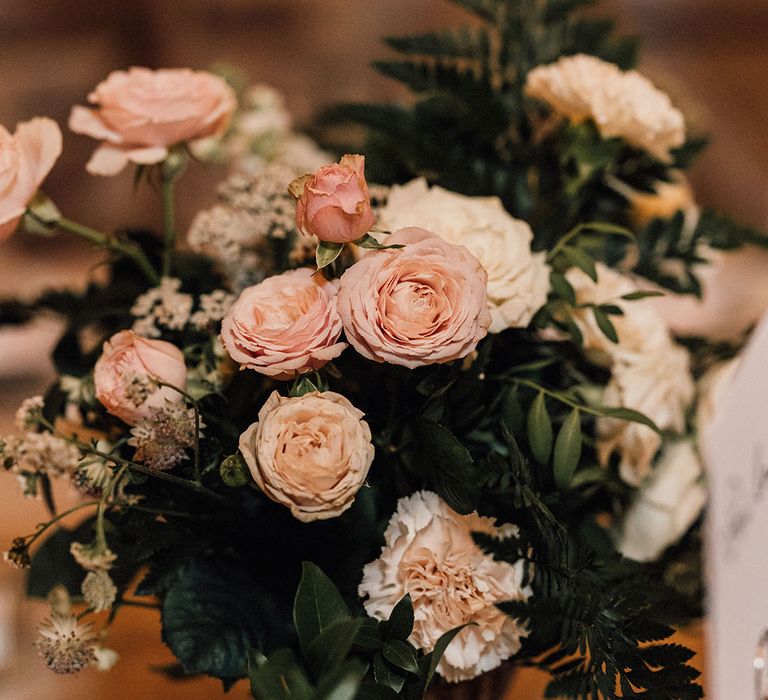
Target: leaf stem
(103,240)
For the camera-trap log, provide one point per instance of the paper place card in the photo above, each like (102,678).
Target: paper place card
(736,453)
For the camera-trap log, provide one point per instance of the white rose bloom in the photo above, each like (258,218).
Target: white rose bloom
(429,553)
(640,328)
(622,104)
(657,383)
(518,280)
(666,506)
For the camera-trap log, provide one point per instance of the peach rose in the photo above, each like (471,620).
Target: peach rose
(429,553)
(123,375)
(286,325)
(335,205)
(310,453)
(140,112)
(422,304)
(25,160)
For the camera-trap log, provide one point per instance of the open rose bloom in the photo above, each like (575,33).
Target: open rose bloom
(285,326)
(124,374)
(334,204)
(26,158)
(139,114)
(422,304)
(310,453)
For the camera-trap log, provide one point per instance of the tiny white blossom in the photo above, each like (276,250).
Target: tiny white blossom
(105,658)
(27,417)
(161,307)
(213,308)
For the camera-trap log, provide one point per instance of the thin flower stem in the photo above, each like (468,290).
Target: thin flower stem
(169,225)
(110,243)
(196,408)
(140,604)
(43,527)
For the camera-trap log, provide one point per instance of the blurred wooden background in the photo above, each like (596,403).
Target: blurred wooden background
(710,54)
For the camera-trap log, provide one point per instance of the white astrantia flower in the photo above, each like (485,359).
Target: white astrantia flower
(163,437)
(666,506)
(65,645)
(429,553)
(621,104)
(99,591)
(658,383)
(162,307)
(518,280)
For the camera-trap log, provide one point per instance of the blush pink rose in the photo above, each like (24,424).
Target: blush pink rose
(335,205)
(422,304)
(139,113)
(311,453)
(124,374)
(26,158)
(286,325)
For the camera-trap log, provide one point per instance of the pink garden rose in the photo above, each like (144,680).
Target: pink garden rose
(140,112)
(26,158)
(419,305)
(286,325)
(311,453)
(335,205)
(123,375)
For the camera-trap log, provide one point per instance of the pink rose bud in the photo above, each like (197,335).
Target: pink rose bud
(139,113)
(284,326)
(125,375)
(422,304)
(26,158)
(334,204)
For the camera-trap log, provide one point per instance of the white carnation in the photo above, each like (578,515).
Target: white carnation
(712,389)
(666,506)
(622,104)
(430,554)
(518,280)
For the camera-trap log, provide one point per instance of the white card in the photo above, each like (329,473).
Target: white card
(736,453)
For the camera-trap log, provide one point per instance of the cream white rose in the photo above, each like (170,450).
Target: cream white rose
(666,506)
(518,280)
(310,453)
(622,104)
(430,554)
(657,383)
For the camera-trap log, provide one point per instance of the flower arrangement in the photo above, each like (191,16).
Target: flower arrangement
(352,437)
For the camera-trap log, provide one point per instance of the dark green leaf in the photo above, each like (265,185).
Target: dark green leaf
(605,324)
(368,636)
(567,449)
(278,678)
(343,683)
(330,648)
(562,287)
(318,604)
(627,414)
(368,241)
(400,654)
(386,674)
(326,253)
(540,429)
(578,258)
(636,296)
(400,623)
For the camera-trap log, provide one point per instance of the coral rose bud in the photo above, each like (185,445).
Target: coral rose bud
(422,304)
(26,158)
(286,325)
(311,453)
(126,375)
(334,204)
(139,113)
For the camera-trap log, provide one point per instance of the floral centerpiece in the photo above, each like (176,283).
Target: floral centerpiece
(354,437)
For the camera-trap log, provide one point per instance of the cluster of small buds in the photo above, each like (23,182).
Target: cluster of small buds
(163,438)
(99,591)
(213,308)
(162,307)
(29,413)
(18,555)
(139,388)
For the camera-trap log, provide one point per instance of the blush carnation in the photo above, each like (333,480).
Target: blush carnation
(286,325)
(334,204)
(422,304)
(429,553)
(311,453)
(139,113)
(125,375)
(26,158)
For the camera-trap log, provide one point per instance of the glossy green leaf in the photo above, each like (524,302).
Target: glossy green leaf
(401,654)
(386,674)
(326,253)
(567,449)
(330,648)
(318,604)
(562,287)
(540,429)
(343,683)
(400,623)
(578,258)
(605,324)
